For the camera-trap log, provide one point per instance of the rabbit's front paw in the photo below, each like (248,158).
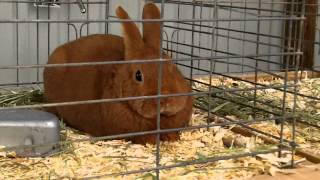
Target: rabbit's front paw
(170,137)
(146,139)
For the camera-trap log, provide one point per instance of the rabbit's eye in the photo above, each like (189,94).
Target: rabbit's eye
(139,76)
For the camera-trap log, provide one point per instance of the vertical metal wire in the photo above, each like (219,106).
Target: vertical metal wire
(88,12)
(296,34)
(178,26)
(166,39)
(200,30)
(228,36)
(212,52)
(318,37)
(295,90)
(256,62)
(216,16)
(159,93)
(68,17)
(192,39)
(244,34)
(48,37)
(173,43)
(17,43)
(283,35)
(285,83)
(106,24)
(270,33)
(38,51)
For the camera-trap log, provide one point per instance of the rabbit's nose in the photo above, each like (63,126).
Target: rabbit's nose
(162,110)
(165,111)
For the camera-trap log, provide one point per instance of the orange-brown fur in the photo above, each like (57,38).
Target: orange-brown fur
(118,81)
(65,84)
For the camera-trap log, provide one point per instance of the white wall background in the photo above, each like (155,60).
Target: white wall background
(32,46)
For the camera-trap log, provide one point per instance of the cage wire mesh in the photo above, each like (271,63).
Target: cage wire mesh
(222,48)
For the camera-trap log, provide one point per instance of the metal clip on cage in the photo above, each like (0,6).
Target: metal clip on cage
(56,4)
(81,6)
(47,3)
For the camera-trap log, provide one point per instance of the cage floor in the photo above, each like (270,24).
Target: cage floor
(305,173)
(105,158)
(86,159)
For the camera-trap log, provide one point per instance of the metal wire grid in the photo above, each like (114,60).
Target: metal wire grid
(213,27)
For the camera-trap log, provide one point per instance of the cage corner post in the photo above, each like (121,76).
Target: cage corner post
(309,32)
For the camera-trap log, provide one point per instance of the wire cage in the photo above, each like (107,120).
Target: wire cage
(222,47)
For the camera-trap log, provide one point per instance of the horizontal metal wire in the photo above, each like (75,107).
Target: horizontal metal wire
(225,36)
(260,84)
(221,4)
(207,72)
(181,164)
(170,1)
(142,133)
(263,85)
(134,98)
(263,132)
(233,55)
(32,83)
(245,97)
(216,2)
(15,84)
(110,62)
(278,117)
(256,83)
(188,163)
(241,6)
(275,18)
(210,4)
(227,29)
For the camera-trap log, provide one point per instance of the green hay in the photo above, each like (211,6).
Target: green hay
(9,98)
(236,104)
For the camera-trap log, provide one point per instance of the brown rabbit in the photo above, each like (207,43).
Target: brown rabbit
(118,81)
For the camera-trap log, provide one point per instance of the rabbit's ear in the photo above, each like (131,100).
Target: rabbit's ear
(151,30)
(132,38)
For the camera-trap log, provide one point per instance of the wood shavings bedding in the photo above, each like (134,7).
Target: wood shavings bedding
(307,109)
(86,159)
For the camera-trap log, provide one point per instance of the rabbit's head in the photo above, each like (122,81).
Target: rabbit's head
(142,79)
